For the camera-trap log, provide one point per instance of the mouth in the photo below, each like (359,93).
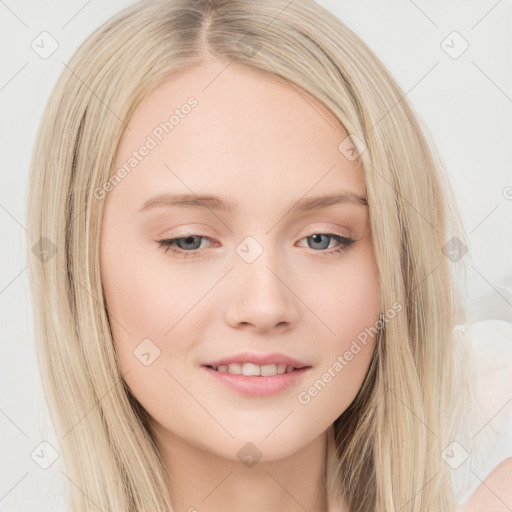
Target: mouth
(255,370)
(254,380)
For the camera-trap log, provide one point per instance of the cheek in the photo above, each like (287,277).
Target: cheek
(349,310)
(135,298)
(139,300)
(347,301)
(145,305)
(149,298)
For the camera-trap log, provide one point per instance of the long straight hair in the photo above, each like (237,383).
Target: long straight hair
(385,450)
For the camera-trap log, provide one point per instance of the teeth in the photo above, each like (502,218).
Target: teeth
(235,368)
(250,369)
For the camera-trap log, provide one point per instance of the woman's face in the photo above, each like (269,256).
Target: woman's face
(259,268)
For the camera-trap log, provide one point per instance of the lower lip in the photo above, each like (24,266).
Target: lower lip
(255,385)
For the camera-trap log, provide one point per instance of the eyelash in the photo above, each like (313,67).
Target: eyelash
(345,244)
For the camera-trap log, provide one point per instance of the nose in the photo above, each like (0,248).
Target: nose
(262,297)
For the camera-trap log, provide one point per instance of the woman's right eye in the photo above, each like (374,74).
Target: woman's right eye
(171,243)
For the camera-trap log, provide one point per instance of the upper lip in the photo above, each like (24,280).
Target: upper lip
(259,359)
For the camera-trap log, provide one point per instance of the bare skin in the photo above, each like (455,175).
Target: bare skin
(494,494)
(265,144)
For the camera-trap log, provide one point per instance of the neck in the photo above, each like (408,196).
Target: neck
(204,481)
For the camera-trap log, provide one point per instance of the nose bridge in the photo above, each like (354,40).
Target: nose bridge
(258,265)
(261,297)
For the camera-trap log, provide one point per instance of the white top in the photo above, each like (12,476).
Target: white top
(491,344)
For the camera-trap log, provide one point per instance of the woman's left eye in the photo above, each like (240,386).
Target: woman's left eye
(344,243)
(182,246)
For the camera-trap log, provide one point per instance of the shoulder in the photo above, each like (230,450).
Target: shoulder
(491,341)
(494,494)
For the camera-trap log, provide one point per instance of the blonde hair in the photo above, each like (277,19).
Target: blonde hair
(385,449)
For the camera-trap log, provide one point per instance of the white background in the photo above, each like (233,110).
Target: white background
(466,103)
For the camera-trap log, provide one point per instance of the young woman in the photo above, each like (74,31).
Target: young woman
(244,296)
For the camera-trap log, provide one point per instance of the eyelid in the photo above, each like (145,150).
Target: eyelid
(344,243)
(322,230)
(317,231)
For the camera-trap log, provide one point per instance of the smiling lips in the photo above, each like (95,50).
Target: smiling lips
(252,364)
(257,374)
(249,369)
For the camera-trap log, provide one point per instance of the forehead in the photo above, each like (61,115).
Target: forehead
(246,129)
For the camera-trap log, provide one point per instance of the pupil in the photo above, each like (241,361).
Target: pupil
(189,240)
(317,239)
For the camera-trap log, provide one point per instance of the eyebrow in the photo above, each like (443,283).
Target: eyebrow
(216,203)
